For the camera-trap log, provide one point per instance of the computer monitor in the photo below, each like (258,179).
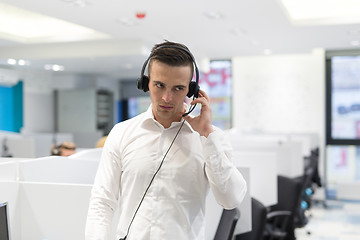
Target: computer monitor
(4,227)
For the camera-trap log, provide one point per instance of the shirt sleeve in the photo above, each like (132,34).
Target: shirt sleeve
(225,180)
(105,193)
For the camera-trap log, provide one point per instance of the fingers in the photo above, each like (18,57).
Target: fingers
(185,107)
(203,99)
(203,94)
(183,110)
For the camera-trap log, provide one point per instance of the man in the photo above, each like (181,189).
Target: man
(160,164)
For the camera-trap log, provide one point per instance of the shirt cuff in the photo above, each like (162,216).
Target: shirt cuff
(212,145)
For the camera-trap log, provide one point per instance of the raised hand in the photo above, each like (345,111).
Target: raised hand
(202,123)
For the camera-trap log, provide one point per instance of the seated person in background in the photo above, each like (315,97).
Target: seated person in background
(64,149)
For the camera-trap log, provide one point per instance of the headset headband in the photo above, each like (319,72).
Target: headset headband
(177,47)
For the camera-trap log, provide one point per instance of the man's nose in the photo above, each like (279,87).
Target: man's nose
(167,96)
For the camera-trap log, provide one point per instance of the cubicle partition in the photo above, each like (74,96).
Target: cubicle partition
(309,141)
(53,210)
(30,145)
(44,141)
(263,174)
(290,160)
(57,169)
(9,192)
(48,198)
(16,146)
(270,155)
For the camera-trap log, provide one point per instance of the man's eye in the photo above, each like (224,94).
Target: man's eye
(159,85)
(179,88)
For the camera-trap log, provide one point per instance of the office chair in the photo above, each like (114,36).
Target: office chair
(315,158)
(310,179)
(4,224)
(227,224)
(258,220)
(280,217)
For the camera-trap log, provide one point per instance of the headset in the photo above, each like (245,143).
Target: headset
(56,150)
(143,80)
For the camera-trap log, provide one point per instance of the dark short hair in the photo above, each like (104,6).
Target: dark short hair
(172,56)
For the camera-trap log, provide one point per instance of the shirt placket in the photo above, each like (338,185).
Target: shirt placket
(156,188)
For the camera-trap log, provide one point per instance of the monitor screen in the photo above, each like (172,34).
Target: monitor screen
(4,229)
(343,111)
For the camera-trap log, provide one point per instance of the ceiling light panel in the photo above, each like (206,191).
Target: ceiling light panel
(77,3)
(322,12)
(30,27)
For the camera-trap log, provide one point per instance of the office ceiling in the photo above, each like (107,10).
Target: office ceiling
(211,29)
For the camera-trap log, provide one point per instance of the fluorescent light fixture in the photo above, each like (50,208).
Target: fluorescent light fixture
(20,62)
(213,15)
(11,61)
(127,22)
(77,3)
(322,12)
(54,67)
(24,26)
(355,43)
(267,51)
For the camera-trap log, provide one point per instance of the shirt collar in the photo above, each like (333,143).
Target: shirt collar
(149,118)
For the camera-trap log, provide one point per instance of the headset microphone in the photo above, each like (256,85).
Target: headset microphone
(190,110)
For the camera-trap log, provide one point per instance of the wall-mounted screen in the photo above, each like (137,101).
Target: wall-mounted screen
(343,100)
(217,83)
(342,124)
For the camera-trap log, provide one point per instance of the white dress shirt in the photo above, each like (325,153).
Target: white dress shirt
(174,206)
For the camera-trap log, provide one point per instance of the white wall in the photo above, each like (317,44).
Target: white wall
(77,110)
(73,81)
(38,101)
(280,93)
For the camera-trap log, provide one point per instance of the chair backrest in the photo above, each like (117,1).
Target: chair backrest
(258,221)
(289,198)
(4,228)
(227,224)
(289,194)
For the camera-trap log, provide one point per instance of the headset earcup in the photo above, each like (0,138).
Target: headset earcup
(193,89)
(55,151)
(143,83)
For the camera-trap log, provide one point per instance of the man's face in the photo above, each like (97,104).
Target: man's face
(168,87)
